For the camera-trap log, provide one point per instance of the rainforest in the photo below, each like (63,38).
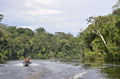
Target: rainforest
(99,41)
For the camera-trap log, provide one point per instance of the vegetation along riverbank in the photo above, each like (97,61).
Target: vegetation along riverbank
(100,41)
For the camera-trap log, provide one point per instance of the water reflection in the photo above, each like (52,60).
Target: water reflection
(112,73)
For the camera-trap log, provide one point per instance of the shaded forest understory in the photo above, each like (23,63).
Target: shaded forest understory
(100,41)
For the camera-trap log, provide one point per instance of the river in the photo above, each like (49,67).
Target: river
(59,69)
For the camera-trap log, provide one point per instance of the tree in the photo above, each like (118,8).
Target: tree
(1,17)
(40,30)
(117,12)
(95,21)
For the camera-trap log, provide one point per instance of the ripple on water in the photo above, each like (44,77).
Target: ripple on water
(20,64)
(34,64)
(79,75)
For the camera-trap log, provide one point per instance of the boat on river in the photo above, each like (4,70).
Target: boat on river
(26,62)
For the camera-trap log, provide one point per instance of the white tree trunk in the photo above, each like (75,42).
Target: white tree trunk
(100,35)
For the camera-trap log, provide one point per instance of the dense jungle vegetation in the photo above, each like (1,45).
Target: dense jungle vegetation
(101,40)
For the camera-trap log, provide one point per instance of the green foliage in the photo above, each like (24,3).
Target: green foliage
(102,37)
(117,12)
(17,43)
(40,56)
(40,30)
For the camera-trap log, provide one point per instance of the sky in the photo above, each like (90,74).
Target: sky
(67,16)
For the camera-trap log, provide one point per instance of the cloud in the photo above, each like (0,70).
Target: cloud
(32,17)
(72,27)
(43,11)
(30,11)
(39,3)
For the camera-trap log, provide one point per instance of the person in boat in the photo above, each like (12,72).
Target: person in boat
(27,59)
(27,62)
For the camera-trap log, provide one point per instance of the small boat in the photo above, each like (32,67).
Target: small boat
(26,63)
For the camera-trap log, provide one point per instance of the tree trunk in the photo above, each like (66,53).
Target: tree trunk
(100,35)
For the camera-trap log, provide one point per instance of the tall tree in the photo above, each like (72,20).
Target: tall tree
(1,17)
